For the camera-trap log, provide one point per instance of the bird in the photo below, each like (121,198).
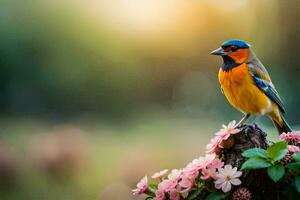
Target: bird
(247,85)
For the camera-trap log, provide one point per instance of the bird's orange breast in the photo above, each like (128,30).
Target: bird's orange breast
(240,90)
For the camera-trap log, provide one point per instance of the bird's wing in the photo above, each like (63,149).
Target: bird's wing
(263,82)
(258,69)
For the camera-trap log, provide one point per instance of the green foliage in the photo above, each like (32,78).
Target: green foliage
(277,151)
(294,166)
(153,185)
(296,157)
(255,152)
(255,163)
(152,188)
(194,194)
(215,196)
(260,158)
(276,172)
(297,183)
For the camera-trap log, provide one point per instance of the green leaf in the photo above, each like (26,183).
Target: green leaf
(255,152)
(255,163)
(294,166)
(194,194)
(152,188)
(215,196)
(200,185)
(297,183)
(276,172)
(297,157)
(153,185)
(277,151)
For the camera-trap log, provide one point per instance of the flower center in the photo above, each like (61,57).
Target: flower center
(227,178)
(229,130)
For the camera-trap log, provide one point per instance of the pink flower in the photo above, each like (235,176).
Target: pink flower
(207,164)
(191,171)
(142,187)
(214,145)
(210,170)
(175,174)
(186,184)
(160,174)
(293,149)
(227,176)
(216,163)
(197,163)
(167,185)
(207,160)
(208,173)
(291,137)
(159,195)
(228,130)
(223,134)
(174,195)
(242,194)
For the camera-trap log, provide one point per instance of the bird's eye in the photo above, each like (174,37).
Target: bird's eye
(234,48)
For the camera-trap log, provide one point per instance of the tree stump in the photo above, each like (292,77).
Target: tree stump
(257,181)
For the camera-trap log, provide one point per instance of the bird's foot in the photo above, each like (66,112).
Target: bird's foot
(242,121)
(237,125)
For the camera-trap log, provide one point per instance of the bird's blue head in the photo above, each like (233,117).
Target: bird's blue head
(237,43)
(234,53)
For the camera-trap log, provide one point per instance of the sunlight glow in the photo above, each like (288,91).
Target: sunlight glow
(229,5)
(145,17)
(165,25)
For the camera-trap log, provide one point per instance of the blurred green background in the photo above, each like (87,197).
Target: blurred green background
(94,94)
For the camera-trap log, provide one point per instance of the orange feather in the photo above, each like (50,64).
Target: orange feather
(241,91)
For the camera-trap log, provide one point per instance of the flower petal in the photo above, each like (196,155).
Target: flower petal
(237,174)
(227,169)
(219,181)
(232,172)
(225,137)
(219,186)
(221,171)
(235,181)
(226,187)
(235,131)
(231,124)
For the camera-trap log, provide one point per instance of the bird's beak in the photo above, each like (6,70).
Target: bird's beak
(219,52)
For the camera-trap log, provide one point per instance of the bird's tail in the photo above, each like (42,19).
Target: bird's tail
(281,124)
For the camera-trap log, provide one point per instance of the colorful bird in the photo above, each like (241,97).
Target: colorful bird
(247,85)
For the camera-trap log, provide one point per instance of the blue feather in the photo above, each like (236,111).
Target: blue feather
(269,91)
(237,43)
